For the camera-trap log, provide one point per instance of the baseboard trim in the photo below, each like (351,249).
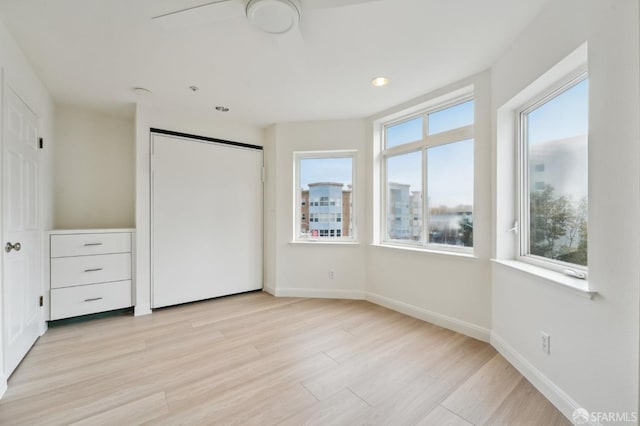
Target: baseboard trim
(559,398)
(268,289)
(3,385)
(445,321)
(44,326)
(319,293)
(139,311)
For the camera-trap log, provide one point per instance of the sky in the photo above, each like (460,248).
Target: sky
(450,167)
(408,131)
(450,174)
(440,121)
(564,116)
(325,170)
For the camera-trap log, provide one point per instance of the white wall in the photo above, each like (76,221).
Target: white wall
(449,290)
(220,127)
(94,170)
(594,349)
(17,73)
(302,269)
(270,213)
(595,343)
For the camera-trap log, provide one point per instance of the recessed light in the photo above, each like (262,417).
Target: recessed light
(141,91)
(222,108)
(380,81)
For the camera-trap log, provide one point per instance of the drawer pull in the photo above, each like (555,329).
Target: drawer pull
(92,244)
(93,270)
(93,299)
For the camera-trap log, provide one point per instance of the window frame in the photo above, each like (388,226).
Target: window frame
(522,196)
(458,134)
(297,192)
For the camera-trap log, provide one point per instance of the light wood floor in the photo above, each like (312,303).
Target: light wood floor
(256,359)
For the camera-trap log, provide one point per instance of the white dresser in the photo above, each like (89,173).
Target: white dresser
(90,271)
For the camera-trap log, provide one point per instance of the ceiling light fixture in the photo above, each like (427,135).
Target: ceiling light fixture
(222,108)
(380,81)
(274,16)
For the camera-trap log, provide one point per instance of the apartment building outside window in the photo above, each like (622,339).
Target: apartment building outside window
(324,192)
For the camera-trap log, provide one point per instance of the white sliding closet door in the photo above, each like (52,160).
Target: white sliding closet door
(206,216)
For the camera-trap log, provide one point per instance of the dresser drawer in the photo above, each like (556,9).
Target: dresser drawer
(88,299)
(88,244)
(74,271)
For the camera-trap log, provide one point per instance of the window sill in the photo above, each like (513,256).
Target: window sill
(417,249)
(324,243)
(574,285)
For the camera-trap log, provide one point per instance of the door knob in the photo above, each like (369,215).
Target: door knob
(9,247)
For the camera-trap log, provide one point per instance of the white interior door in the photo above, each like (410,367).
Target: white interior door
(206,220)
(20,230)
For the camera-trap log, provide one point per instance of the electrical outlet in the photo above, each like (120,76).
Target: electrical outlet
(332,274)
(545,343)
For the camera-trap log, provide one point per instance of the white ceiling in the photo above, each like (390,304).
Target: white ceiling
(91,53)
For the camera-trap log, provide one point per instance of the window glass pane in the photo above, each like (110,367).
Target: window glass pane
(557,170)
(451,118)
(408,131)
(450,192)
(404,197)
(326,194)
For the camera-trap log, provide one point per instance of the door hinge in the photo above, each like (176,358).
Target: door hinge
(41,143)
(41,300)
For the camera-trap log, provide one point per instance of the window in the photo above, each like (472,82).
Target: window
(553,177)
(404,181)
(451,118)
(430,153)
(405,132)
(450,193)
(326,180)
